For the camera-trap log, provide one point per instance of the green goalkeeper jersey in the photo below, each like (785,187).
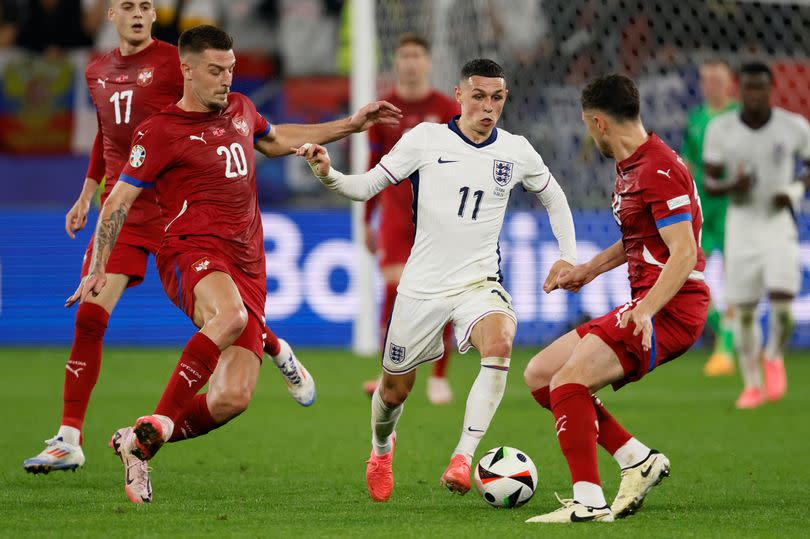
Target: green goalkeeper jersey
(692,150)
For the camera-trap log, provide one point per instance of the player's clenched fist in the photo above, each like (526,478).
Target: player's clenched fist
(572,278)
(552,280)
(76,218)
(317,157)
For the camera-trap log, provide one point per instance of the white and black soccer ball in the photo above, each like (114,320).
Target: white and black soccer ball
(506,477)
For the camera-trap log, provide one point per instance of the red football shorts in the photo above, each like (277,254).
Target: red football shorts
(128,257)
(182,267)
(675,329)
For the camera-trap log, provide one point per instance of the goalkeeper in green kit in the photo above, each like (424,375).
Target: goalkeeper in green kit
(716,85)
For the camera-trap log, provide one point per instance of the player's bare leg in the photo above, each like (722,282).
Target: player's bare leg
(221,315)
(391,275)
(438,388)
(386,407)
(748,339)
(492,336)
(780,329)
(64,451)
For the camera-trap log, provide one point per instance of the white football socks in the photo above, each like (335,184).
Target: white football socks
(71,435)
(631,453)
(482,402)
(589,494)
(748,341)
(383,422)
(780,328)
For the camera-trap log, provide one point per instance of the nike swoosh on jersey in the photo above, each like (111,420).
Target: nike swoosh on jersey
(443,162)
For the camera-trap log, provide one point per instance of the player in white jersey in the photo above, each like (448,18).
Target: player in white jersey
(462,173)
(755,151)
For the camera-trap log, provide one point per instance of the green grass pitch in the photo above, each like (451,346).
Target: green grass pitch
(284,471)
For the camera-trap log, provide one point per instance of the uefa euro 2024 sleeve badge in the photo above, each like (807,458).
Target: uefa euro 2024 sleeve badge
(137,156)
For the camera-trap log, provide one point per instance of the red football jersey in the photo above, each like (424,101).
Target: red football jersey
(654,189)
(203,168)
(126,90)
(396,214)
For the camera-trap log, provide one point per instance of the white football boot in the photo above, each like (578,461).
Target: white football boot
(637,482)
(438,390)
(299,382)
(573,511)
(57,455)
(136,471)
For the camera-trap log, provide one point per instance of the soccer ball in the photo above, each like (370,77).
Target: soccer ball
(506,477)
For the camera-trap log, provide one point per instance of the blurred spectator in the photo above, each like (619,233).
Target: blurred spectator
(173,16)
(9,19)
(52,26)
(308,36)
(254,25)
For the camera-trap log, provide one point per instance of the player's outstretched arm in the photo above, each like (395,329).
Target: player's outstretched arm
(680,240)
(578,276)
(359,187)
(110,222)
(562,226)
(281,138)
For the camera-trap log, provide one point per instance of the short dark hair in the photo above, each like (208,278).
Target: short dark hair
(756,68)
(412,38)
(203,37)
(614,94)
(482,67)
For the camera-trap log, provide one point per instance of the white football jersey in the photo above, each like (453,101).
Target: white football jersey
(768,153)
(460,192)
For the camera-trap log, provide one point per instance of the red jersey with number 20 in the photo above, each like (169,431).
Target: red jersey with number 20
(654,189)
(125,91)
(203,168)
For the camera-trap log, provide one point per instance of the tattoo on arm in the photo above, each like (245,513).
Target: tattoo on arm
(106,233)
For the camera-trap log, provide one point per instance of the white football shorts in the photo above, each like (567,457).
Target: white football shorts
(761,259)
(415,330)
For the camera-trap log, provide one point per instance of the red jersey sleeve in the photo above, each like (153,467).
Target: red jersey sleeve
(148,157)
(669,193)
(95,169)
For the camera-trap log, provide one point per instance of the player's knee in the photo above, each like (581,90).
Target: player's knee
(393,395)
(90,320)
(499,345)
(233,319)
(230,403)
(537,374)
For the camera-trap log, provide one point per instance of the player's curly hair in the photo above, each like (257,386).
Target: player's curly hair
(482,67)
(202,37)
(614,94)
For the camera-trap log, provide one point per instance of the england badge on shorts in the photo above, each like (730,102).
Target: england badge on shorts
(502,172)
(145,76)
(397,354)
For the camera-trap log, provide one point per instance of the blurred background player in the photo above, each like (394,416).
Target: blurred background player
(657,208)
(128,84)
(462,174)
(393,239)
(199,156)
(751,155)
(717,85)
